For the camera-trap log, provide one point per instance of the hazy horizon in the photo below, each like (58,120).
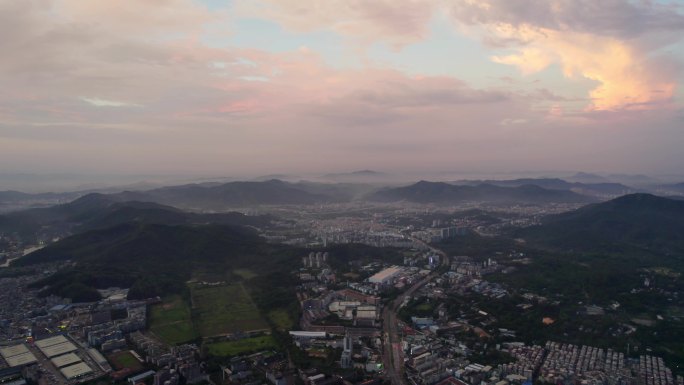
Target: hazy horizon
(213,88)
(44,183)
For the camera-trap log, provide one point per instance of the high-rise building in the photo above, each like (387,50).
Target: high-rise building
(345,361)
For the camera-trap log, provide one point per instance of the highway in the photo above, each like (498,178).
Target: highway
(392,353)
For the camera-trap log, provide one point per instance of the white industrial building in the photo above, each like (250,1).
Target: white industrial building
(65,360)
(386,276)
(17,355)
(75,371)
(55,346)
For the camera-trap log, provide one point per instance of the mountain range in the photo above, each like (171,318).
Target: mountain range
(597,189)
(445,193)
(96,211)
(218,196)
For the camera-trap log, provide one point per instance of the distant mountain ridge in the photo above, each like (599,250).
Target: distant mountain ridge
(585,177)
(360,176)
(95,211)
(12,195)
(440,192)
(673,188)
(604,188)
(231,194)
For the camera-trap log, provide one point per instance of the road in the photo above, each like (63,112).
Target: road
(393,357)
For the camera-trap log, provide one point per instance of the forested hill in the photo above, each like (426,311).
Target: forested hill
(640,221)
(98,211)
(154,259)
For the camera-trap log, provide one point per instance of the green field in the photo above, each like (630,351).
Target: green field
(171,321)
(224,309)
(245,273)
(232,348)
(124,359)
(280,319)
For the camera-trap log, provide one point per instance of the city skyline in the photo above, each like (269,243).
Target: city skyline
(260,87)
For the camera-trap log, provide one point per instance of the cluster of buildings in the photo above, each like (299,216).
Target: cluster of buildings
(591,364)
(108,334)
(467,266)
(56,358)
(359,309)
(338,319)
(461,284)
(430,360)
(53,340)
(182,360)
(386,276)
(528,359)
(368,230)
(355,354)
(558,363)
(315,259)
(20,306)
(398,277)
(439,350)
(434,235)
(652,371)
(256,369)
(370,238)
(425,362)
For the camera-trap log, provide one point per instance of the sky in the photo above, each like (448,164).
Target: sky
(250,87)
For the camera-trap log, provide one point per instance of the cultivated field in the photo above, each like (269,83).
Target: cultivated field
(171,321)
(244,273)
(224,309)
(280,319)
(232,348)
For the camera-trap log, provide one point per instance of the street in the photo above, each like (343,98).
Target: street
(392,351)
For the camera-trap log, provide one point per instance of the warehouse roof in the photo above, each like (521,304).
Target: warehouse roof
(13,351)
(21,359)
(65,360)
(385,274)
(56,350)
(77,370)
(59,339)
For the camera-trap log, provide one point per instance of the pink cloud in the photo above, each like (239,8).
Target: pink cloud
(394,22)
(196,110)
(608,42)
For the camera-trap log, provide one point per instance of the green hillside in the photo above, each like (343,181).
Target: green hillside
(637,221)
(154,259)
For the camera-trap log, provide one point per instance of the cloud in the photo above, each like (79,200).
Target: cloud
(72,68)
(425,92)
(394,22)
(610,42)
(97,102)
(615,18)
(147,19)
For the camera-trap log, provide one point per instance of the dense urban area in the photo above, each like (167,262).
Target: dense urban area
(360,292)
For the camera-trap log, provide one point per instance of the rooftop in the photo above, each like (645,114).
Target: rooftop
(58,349)
(13,351)
(77,370)
(51,341)
(66,359)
